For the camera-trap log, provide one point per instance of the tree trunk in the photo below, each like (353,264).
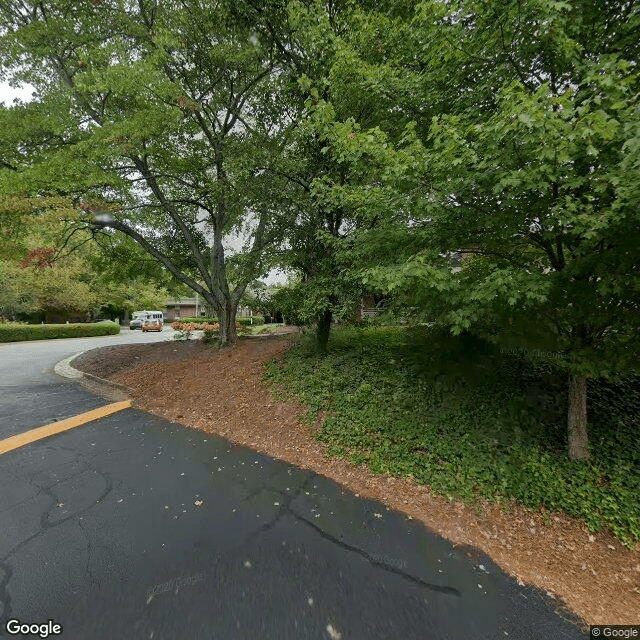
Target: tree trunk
(227,320)
(322,331)
(577,418)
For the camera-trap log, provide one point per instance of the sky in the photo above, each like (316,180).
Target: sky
(8,94)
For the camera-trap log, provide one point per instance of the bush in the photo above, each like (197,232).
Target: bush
(210,331)
(242,329)
(185,329)
(15,332)
(468,420)
(262,331)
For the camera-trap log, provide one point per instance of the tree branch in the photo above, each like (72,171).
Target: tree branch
(151,181)
(161,257)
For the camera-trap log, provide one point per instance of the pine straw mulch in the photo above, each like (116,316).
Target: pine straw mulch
(222,393)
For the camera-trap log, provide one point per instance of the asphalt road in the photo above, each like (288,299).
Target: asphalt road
(136,527)
(31,394)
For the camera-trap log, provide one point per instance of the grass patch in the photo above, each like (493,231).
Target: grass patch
(471,422)
(15,332)
(264,329)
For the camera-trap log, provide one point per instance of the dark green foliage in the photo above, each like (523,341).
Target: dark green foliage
(164,92)
(290,299)
(469,420)
(11,332)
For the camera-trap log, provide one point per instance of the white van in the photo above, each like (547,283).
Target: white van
(140,317)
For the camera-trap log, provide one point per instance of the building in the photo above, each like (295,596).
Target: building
(193,308)
(185,308)
(370,306)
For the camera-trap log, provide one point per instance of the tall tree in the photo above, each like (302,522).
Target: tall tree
(52,269)
(341,148)
(158,119)
(532,166)
(509,131)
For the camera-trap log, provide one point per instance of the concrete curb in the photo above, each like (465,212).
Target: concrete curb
(114,390)
(100,385)
(64,368)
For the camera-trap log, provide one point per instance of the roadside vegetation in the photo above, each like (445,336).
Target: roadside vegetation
(472,165)
(209,328)
(17,332)
(266,329)
(469,420)
(48,277)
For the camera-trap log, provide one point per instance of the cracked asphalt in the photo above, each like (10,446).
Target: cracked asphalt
(136,527)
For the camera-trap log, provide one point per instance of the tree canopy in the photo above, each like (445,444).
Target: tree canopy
(475,161)
(51,270)
(506,135)
(160,121)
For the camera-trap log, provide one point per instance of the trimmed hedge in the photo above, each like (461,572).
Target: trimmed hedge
(14,332)
(257,320)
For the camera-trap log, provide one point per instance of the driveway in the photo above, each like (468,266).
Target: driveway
(31,394)
(136,527)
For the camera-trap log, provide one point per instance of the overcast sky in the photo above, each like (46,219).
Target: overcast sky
(9,94)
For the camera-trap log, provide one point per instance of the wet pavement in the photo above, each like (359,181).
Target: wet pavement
(136,527)
(32,395)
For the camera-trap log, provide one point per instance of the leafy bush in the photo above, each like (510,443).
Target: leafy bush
(262,331)
(266,329)
(257,320)
(184,330)
(210,331)
(15,332)
(468,420)
(185,326)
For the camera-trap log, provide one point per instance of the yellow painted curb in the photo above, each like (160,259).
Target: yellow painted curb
(9,444)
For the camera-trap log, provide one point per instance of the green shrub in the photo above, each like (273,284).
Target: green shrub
(210,331)
(261,331)
(14,332)
(257,320)
(468,420)
(264,329)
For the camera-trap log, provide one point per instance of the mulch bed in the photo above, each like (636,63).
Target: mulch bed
(222,392)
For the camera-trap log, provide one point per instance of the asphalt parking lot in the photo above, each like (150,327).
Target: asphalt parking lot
(136,527)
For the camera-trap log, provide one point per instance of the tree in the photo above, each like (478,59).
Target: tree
(52,271)
(532,167)
(338,155)
(507,131)
(39,289)
(158,120)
